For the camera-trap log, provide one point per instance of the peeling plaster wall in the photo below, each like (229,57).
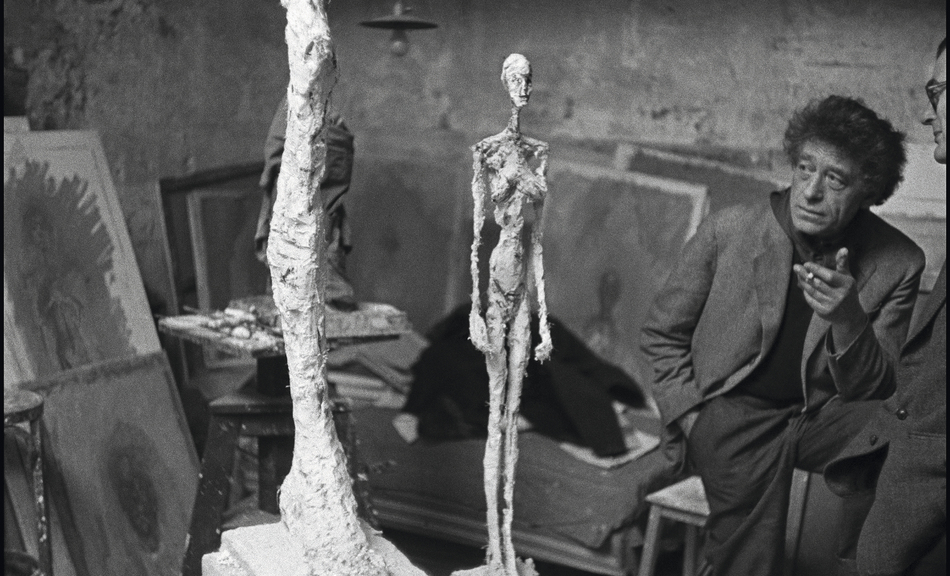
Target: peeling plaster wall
(172,86)
(178,86)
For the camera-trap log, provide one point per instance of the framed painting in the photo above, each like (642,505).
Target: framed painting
(727,184)
(72,293)
(222,222)
(20,508)
(611,238)
(117,438)
(145,218)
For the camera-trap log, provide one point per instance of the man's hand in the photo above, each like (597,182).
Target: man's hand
(686,421)
(833,295)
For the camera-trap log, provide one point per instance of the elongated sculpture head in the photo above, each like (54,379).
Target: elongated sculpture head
(516,74)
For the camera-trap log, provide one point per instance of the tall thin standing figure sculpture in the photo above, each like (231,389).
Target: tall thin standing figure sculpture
(503,172)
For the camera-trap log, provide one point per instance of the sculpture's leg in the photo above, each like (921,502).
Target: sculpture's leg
(519,346)
(496,362)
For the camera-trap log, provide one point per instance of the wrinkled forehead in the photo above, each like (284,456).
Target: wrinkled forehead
(815,150)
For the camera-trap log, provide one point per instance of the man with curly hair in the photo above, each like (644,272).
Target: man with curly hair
(777,332)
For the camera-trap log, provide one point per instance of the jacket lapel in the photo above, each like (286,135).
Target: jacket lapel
(772,266)
(937,297)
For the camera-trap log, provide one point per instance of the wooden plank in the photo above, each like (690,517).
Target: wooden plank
(22,512)
(797,501)
(148,230)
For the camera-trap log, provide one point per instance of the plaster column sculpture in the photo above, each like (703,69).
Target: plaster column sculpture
(316,499)
(510,169)
(319,533)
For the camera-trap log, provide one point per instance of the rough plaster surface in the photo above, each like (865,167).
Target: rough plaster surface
(269,550)
(317,503)
(510,170)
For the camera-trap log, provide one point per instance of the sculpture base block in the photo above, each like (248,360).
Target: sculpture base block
(524,567)
(269,550)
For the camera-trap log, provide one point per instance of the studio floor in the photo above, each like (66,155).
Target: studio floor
(441,558)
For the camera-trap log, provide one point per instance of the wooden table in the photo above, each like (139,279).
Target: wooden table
(370,322)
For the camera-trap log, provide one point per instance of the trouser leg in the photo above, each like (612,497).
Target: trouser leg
(823,434)
(741,448)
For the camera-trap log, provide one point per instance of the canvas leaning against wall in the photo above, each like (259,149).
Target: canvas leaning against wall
(115,434)
(72,293)
(611,238)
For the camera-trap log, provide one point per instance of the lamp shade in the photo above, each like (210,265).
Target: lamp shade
(399,20)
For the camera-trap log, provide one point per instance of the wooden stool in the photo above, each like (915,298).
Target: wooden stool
(683,502)
(270,420)
(21,406)
(242,413)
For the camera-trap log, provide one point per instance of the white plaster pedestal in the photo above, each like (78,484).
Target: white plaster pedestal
(268,550)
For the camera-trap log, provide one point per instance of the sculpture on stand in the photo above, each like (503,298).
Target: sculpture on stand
(510,169)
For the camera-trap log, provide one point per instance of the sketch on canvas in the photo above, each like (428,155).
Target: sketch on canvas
(611,238)
(72,291)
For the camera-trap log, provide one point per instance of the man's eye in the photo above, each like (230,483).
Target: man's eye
(805,168)
(836,182)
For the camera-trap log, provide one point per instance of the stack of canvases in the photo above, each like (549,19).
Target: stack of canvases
(120,468)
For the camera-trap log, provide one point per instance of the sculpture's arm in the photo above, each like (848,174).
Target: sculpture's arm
(478,333)
(539,150)
(542,153)
(543,350)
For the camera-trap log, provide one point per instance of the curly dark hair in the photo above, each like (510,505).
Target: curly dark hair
(857,132)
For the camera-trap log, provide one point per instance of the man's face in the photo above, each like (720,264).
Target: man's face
(518,83)
(937,118)
(826,191)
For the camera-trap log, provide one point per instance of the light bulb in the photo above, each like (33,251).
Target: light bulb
(399,43)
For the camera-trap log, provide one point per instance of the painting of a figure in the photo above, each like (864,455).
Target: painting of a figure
(610,240)
(72,291)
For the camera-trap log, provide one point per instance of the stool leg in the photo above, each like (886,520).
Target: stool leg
(650,543)
(204,534)
(274,457)
(689,551)
(39,493)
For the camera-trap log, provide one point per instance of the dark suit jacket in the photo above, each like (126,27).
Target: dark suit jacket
(721,308)
(902,453)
